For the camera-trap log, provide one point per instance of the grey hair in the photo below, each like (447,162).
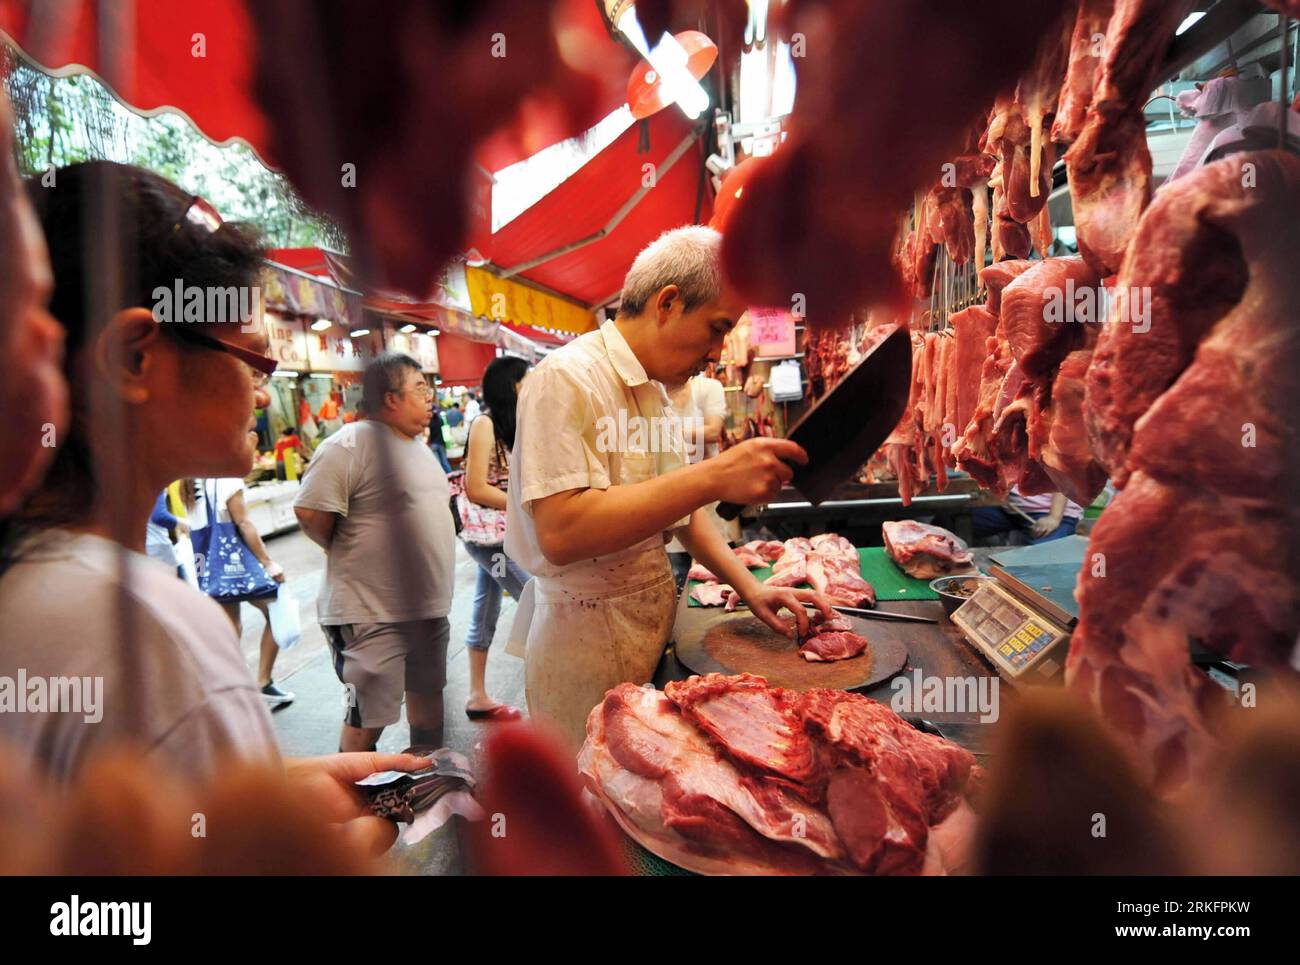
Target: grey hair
(384,374)
(688,257)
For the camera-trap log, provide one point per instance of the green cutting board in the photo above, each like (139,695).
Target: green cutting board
(878,569)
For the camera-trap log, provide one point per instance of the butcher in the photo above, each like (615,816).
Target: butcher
(600,482)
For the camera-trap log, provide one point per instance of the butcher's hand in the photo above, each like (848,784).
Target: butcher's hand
(765,602)
(327,786)
(755,470)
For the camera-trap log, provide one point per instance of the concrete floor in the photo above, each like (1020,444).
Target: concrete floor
(310,725)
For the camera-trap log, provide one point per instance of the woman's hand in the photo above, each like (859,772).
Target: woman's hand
(767,600)
(274,571)
(1045,526)
(182,528)
(328,786)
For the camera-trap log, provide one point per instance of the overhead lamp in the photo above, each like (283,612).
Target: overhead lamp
(434,331)
(407,329)
(358,332)
(321,324)
(669,60)
(284,374)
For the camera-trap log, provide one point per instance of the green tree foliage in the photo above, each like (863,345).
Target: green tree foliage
(65,120)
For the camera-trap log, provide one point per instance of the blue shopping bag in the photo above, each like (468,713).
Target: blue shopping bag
(227,569)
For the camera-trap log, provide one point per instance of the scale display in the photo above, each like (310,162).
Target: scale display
(1008,632)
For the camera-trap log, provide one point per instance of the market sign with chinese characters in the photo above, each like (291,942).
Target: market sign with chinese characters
(335,350)
(419,345)
(772,332)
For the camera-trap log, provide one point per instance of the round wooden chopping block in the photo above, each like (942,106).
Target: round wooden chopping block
(739,643)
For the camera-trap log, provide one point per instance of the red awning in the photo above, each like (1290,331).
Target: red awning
(152,57)
(585,203)
(462,362)
(539,335)
(147,52)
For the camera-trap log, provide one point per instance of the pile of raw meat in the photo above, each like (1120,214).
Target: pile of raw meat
(726,775)
(999,394)
(827,562)
(1193,412)
(924,551)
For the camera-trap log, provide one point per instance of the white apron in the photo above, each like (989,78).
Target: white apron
(590,633)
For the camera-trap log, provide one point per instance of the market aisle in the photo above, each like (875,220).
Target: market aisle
(310,725)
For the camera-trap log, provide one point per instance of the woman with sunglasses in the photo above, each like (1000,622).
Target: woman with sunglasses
(151,403)
(147,660)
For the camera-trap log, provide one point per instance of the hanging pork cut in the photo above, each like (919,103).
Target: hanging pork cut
(727,775)
(1047,312)
(1109,165)
(1066,456)
(1184,275)
(830,196)
(1200,543)
(1087,44)
(972,329)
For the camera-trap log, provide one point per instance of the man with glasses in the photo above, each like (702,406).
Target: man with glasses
(376,500)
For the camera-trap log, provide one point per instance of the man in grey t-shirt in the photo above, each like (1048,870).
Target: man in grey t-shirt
(376,499)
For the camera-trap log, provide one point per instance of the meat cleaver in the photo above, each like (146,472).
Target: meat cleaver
(848,424)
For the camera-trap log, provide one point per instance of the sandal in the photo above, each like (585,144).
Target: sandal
(500,714)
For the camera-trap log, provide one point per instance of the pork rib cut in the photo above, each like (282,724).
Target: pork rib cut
(924,551)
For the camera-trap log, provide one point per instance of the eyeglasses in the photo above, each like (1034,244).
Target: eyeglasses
(261,366)
(423,389)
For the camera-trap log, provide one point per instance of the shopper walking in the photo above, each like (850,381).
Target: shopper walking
(437,444)
(234,567)
(376,500)
(483,513)
(158,534)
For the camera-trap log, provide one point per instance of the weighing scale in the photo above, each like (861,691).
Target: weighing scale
(1022,618)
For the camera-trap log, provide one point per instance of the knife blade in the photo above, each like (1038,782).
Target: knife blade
(848,424)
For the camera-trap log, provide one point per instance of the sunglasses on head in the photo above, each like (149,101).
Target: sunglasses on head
(203,215)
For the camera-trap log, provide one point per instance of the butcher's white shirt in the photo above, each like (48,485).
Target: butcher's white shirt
(558,446)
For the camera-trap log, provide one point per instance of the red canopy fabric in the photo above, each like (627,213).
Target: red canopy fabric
(148,53)
(462,362)
(539,335)
(586,202)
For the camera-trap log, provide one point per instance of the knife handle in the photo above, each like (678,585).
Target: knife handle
(729,511)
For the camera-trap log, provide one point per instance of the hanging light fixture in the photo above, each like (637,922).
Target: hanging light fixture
(668,65)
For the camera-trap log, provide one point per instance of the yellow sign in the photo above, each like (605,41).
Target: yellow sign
(505,300)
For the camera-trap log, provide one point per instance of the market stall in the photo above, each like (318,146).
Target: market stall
(1073,292)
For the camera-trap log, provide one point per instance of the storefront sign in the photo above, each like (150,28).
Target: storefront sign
(288,341)
(297,294)
(772,332)
(336,351)
(420,346)
(506,300)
